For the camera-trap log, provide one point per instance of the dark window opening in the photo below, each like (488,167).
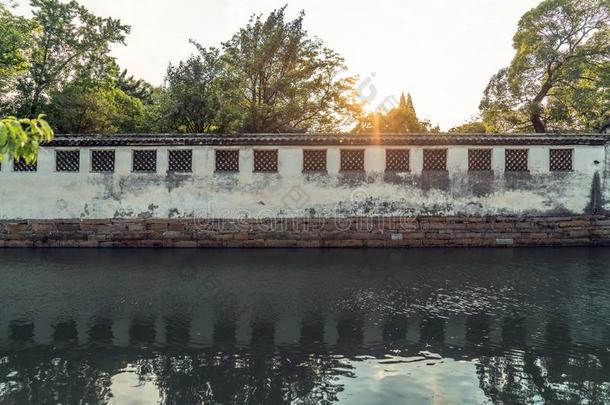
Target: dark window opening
(435,159)
(144,161)
(397,160)
(314,161)
(102,161)
(352,160)
(67,161)
(227,160)
(181,161)
(265,161)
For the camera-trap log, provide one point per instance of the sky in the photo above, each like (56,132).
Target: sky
(443,52)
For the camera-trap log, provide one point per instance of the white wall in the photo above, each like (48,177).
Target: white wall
(47,194)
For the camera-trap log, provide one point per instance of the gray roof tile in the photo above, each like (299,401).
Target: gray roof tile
(324,139)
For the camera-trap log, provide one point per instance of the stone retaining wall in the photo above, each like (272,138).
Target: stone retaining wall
(491,231)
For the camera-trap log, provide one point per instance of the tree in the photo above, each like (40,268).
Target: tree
(401,119)
(156,118)
(71,42)
(558,79)
(111,103)
(102,109)
(285,81)
(133,87)
(404,118)
(193,94)
(15,32)
(129,113)
(586,103)
(21,138)
(472,127)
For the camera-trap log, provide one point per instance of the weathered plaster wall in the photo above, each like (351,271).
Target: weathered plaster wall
(47,194)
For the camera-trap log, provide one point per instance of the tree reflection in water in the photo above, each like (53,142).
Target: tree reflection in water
(542,337)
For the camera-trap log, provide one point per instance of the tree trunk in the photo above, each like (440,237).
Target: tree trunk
(535,108)
(538,124)
(34,105)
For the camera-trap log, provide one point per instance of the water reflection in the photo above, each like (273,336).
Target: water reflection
(275,327)
(100,332)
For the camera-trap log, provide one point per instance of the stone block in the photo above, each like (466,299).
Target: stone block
(575,223)
(176,226)
(159,226)
(372,243)
(256,243)
(19,244)
(14,227)
(136,227)
(579,234)
(602,223)
(281,243)
(151,243)
(88,244)
(175,235)
(136,243)
(346,243)
(210,244)
(185,244)
(308,244)
(408,243)
(125,236)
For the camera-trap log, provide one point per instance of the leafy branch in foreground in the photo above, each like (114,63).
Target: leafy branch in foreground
(21,138)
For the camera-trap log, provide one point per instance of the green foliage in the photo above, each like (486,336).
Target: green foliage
(66,70)
(15,32)
(71,43)
(21,138)
(156,113)
(128,112)
(133,87)
(585,105)
(279,79)
(194,89)
(269,77)
(558,79)
(96,110)
(473,127)
(398,120)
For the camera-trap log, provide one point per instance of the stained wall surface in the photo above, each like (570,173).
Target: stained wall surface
(291,193)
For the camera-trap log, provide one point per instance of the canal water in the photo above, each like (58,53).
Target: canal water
(439,326)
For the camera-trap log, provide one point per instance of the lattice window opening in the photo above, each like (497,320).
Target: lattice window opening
(352,160)
(479,160)
(20,165)
(314,161)
(227,161)
(180,161)
(397,160)
(516,160)
(561,160)
(265,161)
(144,161)
(102,161)
(435,160)
(67,161)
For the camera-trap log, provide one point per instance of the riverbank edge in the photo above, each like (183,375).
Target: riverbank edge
(357,232)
